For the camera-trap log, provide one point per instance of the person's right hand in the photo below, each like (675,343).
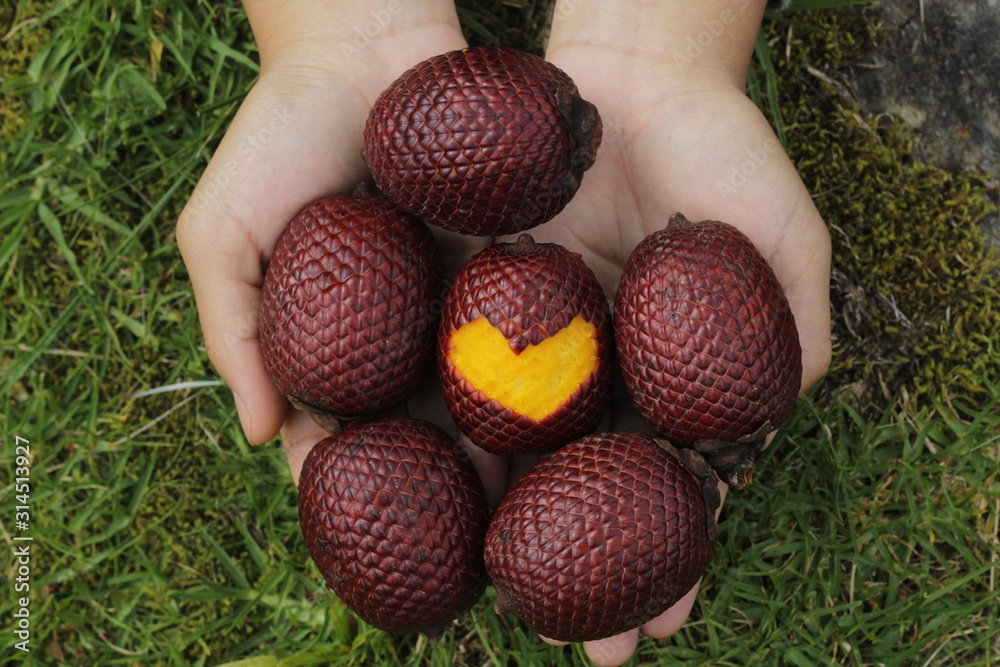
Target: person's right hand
(296,137)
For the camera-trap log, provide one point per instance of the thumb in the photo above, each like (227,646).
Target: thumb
(226,278)
(225,234)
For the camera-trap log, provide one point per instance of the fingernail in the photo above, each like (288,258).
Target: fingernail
(244,415)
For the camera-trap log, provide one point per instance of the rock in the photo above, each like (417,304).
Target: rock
(936,67)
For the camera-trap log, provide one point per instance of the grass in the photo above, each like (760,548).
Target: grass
(162,538)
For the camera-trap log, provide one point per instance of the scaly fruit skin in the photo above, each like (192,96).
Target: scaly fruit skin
(706,340)
(394,516)
(347,313)
(529,292)
(600,537)
(483,140)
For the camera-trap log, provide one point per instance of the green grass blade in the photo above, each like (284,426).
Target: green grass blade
(224,559)
(54,227)
(763,53)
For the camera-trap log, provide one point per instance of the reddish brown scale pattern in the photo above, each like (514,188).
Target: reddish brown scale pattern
(394,516)
(528,291)
(476,141)
(347,317)
(706,339)
(601,536)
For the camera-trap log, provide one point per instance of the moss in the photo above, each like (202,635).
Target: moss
(915,285)
(23,32)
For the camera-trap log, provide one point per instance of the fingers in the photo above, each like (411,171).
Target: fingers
(616,650)
(673,619)
(225,272)
(612,651)
(228,312)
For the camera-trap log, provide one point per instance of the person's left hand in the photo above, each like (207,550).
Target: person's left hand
(686,139)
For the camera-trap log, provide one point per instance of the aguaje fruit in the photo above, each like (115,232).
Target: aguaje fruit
(394,516)
(346,315)
(484,140)
(525,348)
(706,342)
(602,535)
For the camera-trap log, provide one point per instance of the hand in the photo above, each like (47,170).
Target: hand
(296,137)
(681,135)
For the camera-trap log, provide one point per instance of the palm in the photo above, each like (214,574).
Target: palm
(705,152)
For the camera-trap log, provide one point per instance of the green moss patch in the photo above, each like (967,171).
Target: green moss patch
(915,286)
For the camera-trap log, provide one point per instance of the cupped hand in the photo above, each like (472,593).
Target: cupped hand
(296,137)
(688,140)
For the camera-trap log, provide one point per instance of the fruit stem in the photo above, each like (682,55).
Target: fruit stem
(584,124)
(363,189)
(707,478)
(504,603)
(735,461)
(435,633)
(678,220)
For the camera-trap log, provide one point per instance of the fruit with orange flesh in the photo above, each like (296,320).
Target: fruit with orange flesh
(602,536)
(524,348)
(707,342)
(394,515)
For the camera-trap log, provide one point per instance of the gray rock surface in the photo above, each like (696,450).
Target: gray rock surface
(937,69)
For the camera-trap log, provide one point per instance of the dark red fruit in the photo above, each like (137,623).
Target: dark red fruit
(394,516)
(707,343)
(346,313)
(602,536)
(525,348)
(483,141)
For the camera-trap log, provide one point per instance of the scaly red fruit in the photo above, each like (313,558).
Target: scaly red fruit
(525,348)
(602,536)
(347,308)
(707,342)
(483,140)
(394,516)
